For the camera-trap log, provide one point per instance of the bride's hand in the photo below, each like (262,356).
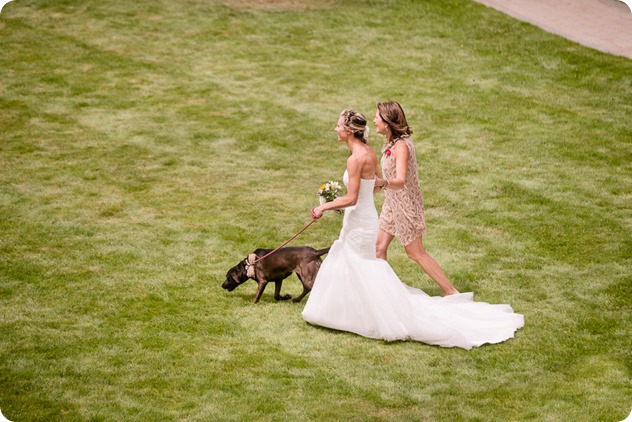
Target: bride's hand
(316,213)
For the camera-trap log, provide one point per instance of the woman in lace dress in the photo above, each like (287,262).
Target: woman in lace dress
(357,292)
(402,213)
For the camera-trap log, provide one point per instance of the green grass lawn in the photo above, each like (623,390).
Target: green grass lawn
(147,146)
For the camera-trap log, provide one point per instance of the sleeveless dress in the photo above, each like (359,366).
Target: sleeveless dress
(355,291)
(402,213)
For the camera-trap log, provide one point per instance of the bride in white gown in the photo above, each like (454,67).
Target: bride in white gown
(355,291)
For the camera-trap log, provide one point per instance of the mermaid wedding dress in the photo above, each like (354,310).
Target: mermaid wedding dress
(355,291)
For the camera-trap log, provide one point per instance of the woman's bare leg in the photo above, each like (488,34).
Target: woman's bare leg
(381,245)
(417,253)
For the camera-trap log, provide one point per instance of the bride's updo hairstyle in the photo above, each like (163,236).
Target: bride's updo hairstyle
(356,123)
(393,115)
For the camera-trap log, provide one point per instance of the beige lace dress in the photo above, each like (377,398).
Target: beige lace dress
(403,210)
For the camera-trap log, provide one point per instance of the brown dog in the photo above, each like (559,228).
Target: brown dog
(302,260)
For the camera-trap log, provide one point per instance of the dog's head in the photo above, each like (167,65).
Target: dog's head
(236,276)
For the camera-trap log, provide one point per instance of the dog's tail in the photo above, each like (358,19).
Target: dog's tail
(322,252)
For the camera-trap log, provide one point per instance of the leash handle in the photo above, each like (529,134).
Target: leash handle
(286,242)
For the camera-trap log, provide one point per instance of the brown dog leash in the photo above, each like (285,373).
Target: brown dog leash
(250,264)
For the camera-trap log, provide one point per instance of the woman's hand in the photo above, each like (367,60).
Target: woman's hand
(317,212)
(378,185)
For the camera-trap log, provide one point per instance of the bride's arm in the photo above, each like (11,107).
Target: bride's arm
(379,182)
(354,168)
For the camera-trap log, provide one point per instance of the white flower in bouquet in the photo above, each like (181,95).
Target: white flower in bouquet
(328,192)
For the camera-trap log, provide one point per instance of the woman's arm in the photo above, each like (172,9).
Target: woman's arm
(379,183)
(354,168)
(400,155)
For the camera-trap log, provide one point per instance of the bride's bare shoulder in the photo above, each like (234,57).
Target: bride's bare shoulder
(363,161)
(361,156)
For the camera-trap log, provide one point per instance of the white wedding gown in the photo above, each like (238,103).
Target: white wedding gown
(357,292)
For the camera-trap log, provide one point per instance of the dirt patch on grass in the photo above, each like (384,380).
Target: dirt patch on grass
(279,4)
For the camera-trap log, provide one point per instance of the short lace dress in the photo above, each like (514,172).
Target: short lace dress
(402,213)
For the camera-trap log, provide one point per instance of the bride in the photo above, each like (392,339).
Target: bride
(355,291)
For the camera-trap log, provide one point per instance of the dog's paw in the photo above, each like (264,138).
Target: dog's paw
(284,297)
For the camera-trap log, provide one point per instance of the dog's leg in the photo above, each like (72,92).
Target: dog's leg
(262,286)
(305,289)
(302,295)
(307,275)
(277,291)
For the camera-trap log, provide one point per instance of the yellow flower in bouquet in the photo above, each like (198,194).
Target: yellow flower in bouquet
(328,192)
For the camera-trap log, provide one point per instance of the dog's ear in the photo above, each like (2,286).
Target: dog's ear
(240,275)
(237,278)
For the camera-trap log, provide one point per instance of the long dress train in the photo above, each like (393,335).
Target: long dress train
(355,291)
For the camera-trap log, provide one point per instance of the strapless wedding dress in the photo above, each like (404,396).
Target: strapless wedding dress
(355,291)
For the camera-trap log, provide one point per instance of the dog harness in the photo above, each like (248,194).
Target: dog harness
(250,265)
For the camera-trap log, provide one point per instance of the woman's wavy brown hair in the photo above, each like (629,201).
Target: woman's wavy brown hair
(393,115)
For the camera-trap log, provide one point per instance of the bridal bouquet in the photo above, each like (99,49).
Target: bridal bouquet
(328,192)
